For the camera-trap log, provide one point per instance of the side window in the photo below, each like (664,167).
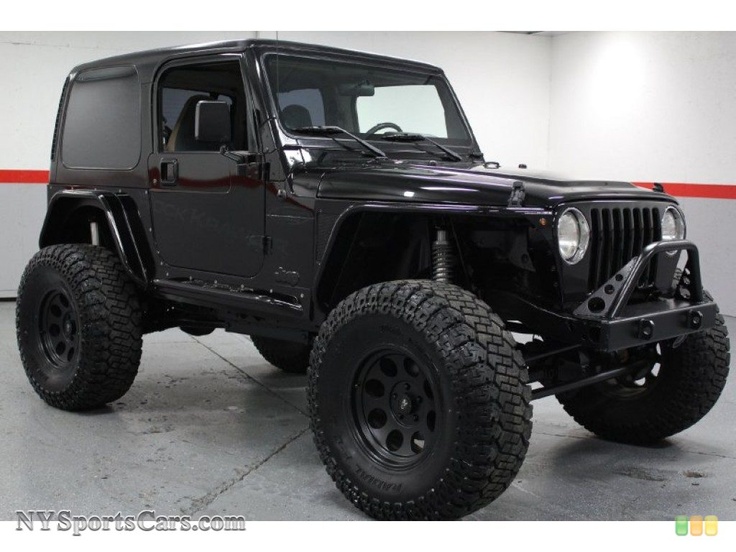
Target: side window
(414,108)
(302,108)
(102,126)
(182,87)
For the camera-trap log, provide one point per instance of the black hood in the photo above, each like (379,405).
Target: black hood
(468,184)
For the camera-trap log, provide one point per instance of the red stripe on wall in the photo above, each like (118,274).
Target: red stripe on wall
(706,191)
(24,177)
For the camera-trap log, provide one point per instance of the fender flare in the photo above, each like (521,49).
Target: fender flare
(123,220)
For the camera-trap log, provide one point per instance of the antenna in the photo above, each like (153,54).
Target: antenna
(278,79)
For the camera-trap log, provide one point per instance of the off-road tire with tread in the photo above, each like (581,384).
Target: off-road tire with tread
(484,404)
(688,384)
(288,356)
(103,316)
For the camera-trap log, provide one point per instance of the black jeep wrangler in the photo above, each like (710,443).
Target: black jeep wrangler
(335,206)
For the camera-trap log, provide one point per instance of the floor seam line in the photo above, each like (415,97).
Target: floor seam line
(251,378)
(203,502)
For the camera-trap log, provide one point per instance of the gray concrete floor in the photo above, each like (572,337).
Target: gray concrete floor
(210,428)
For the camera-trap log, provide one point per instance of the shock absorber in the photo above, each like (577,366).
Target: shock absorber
(443,258)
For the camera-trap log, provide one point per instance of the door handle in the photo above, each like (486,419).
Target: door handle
(169,169)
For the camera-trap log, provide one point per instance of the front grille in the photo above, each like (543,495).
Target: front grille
(617,235)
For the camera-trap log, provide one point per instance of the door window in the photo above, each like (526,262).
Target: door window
(182,87)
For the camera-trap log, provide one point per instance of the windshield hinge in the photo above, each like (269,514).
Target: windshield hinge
(518,193)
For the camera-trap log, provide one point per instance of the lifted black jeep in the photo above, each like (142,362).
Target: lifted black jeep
(335,207)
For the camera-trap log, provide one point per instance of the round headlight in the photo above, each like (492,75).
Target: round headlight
(573,235)
(673,225)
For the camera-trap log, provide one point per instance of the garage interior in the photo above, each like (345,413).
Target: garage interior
(210,428)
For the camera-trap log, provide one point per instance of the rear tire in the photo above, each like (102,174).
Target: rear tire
(687,384)
(418,401)
(288,356)
(78,322)
(196,331)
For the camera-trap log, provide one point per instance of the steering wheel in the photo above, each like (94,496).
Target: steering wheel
(380,126)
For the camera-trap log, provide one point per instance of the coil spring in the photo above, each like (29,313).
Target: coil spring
(443,258)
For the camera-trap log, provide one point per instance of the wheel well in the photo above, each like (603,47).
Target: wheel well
(74,225)
(489,254)
(373,247)
(70,219)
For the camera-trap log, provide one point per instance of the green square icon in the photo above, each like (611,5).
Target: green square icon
(681,525)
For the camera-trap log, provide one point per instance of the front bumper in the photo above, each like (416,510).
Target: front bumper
(607,322)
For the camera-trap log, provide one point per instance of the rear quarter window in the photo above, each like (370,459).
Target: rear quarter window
(102,125)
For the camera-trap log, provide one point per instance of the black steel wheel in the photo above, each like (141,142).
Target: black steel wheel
(643,381)
(418,401)
(678,385)
(78,322)
(396,408)
(59,333)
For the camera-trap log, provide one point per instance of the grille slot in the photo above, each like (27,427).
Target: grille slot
(617,235)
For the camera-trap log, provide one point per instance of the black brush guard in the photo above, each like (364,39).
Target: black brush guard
(609,323)
(606,322)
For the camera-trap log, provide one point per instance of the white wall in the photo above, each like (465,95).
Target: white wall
(653,107)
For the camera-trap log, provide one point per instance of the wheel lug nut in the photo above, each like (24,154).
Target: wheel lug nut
(393,396)
(407,386)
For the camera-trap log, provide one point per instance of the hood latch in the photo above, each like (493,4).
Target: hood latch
(518,193)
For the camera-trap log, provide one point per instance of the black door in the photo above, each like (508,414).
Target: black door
(208,210)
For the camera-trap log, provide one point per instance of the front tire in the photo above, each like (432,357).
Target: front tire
(418,401)
(78,322)
(682,386)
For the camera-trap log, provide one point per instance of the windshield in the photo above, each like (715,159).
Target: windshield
(369,101)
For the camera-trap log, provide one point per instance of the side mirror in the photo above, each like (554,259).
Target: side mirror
(212,122)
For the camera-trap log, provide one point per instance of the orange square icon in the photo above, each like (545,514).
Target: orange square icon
(711,526)
(696,526)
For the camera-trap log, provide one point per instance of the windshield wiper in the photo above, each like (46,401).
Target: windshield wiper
(328,130)
(413,137)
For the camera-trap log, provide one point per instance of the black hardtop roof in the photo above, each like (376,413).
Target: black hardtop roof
(146,61)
